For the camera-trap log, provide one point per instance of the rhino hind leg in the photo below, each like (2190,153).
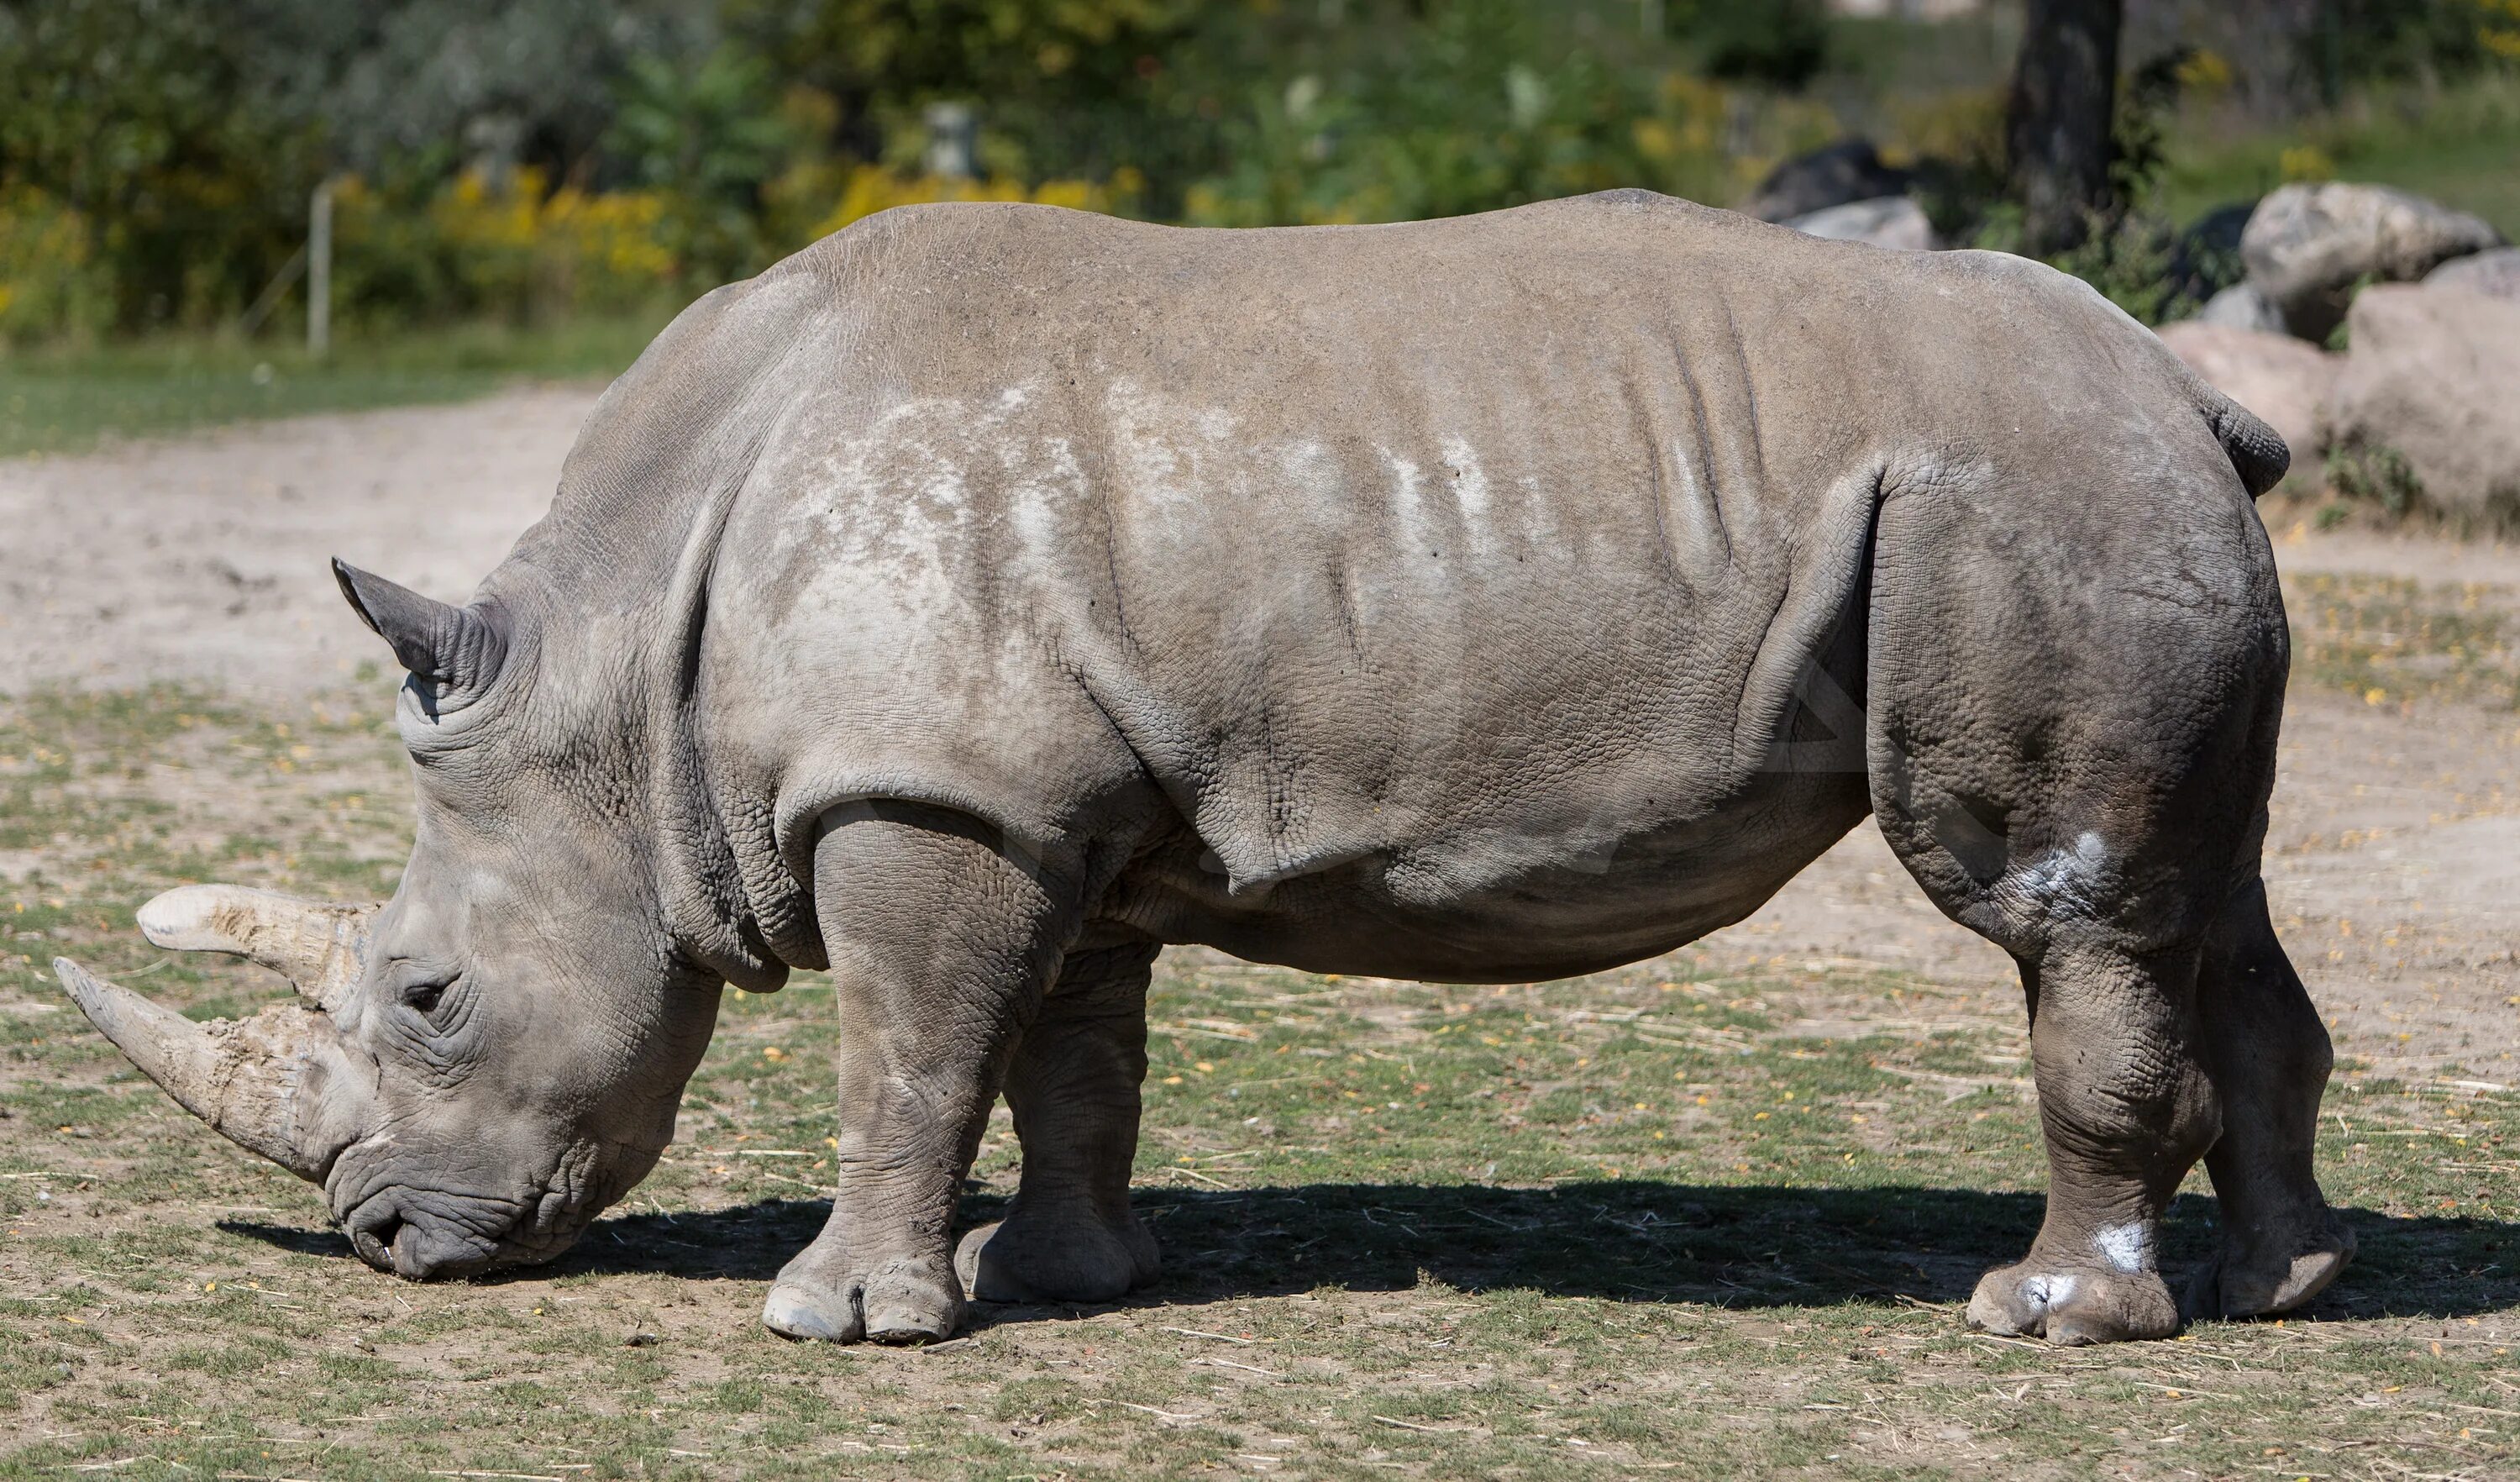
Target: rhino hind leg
(2127,1109)
(2071,728)
(1070,1235)
(2281,1244)
(940,947)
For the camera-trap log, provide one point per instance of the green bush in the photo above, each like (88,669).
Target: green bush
(2395,40)
(1781,43)
(1489,103)
(701,144)
(51,287)
(2375,474)
(522,160)
(152,122)
(506,249)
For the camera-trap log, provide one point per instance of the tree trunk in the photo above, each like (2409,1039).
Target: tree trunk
(2065,98)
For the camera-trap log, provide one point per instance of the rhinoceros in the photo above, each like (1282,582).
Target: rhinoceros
(990,595)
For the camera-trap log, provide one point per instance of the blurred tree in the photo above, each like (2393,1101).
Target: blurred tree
(2059,131)
(2254,53)
(2354,39)
(691,140)
(191,132)
(153,120)
(1078,80)
(495,82)
(1780,43)
(1480,104)
(706,137)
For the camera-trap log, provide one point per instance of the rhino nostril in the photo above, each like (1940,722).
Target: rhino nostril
(375,1236)
(410,1255)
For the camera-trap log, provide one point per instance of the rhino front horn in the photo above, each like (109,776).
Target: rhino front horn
(263,1084)
(456,651)
(319,946)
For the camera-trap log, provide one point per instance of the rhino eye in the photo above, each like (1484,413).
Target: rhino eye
(423,997)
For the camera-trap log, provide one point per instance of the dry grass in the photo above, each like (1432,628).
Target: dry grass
(2395,640)
(1664,1221)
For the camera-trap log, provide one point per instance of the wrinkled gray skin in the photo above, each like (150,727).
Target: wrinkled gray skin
(989,594)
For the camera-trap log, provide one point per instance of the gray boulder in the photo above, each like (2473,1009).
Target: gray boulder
(2494,274)
(2243,306)
(1848,171)
(1892,221)
(2285,381)
(2432,382)
(2307,245)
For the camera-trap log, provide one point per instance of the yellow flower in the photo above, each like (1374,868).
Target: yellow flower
(2306,162)
(2205,71)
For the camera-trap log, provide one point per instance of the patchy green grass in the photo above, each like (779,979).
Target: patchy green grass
(1668,1219)
(68,398)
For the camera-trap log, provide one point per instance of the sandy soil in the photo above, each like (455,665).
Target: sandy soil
(2394,862)
(204,559)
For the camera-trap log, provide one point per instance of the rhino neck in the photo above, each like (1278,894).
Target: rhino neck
(621,570)
(611,706)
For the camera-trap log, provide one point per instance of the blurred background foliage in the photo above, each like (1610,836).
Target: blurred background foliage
(523,162)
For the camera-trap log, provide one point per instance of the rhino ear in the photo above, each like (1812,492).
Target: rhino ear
(456,651)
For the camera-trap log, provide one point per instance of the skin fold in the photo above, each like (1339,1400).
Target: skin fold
(990,595)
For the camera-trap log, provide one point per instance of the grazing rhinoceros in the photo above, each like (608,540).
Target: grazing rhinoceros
(989,594)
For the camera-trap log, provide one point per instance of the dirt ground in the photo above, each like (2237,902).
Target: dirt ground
(1639,1305)
(202,559)
(2393,863)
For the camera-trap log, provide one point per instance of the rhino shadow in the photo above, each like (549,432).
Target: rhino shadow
(1730,1246)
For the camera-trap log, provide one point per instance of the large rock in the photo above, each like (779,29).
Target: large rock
(2243,306)
(2307,245)
(1892,221)
(2494,274)
(2433,376)
(1848,171)
(2282,379)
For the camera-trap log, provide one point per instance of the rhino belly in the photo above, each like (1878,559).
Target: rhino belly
(1419,911)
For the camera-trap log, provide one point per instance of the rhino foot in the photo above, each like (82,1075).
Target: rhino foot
(904,1300)
(2071,1306)
(1076,1257)
(2239,1284)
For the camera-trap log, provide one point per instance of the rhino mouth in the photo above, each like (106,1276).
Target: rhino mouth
(421,1236)
(432,1233)
(416,1245)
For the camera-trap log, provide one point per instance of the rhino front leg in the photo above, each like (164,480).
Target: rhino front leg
(2281,1243)
(1070,1235)
(940,945)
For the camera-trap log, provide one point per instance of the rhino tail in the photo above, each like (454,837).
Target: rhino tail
(2257,451)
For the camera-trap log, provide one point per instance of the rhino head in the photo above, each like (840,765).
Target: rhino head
(482,1065)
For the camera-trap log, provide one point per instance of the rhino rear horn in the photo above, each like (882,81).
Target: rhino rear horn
(319,946)
(456,651)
